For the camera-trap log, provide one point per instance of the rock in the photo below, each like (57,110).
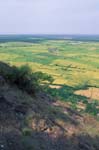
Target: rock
(2,81)
(11,141)
(22,109)
(5,102)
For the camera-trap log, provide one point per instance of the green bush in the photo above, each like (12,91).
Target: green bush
(92,108)
(26,131)
(42,77)
(23,77)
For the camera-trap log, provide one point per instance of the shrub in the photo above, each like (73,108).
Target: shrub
(92,108)
(42,77)
(23,77)
(26,131)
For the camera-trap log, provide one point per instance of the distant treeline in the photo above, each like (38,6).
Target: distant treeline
(20,38)
(40,38)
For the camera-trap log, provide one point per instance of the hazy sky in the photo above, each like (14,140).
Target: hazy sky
(49,16)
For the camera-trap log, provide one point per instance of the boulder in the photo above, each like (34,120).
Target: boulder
(2,81)
(21,109)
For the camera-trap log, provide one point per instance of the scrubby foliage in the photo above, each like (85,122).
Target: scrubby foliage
(23,77)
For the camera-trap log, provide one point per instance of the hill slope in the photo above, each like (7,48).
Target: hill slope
(38,122)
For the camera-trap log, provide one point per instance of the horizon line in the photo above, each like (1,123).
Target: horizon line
(49,34)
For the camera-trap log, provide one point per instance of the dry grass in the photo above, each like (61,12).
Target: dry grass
(91,93)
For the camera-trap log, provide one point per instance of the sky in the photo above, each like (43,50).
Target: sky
(49,16)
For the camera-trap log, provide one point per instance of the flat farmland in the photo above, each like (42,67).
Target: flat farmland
(69,62)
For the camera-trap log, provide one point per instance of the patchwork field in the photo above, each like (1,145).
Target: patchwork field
(74,65)
(71,63)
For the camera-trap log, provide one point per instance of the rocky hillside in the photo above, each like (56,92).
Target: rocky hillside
(38,122)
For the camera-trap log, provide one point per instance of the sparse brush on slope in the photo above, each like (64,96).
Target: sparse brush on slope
(23,77)
(38,123)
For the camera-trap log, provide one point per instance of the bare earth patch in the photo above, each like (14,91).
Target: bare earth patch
(55,86)
(93,48)
(92,93)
